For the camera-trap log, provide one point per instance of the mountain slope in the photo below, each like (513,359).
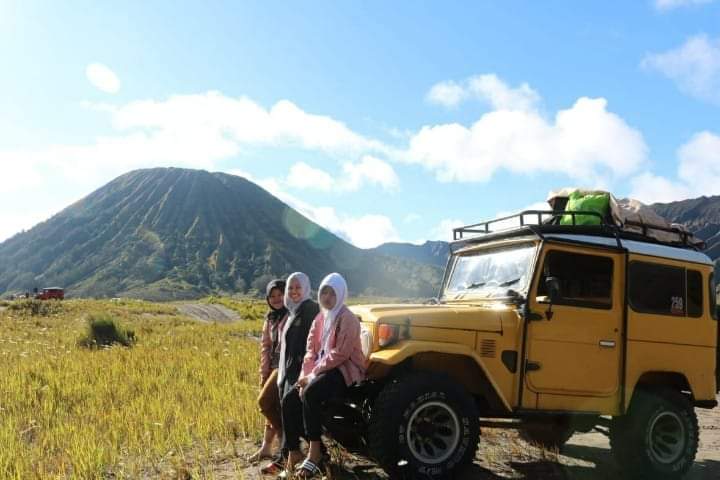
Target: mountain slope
(176,233)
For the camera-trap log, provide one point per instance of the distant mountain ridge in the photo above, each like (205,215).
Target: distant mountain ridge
(700,215)
(175,233)
(430,252)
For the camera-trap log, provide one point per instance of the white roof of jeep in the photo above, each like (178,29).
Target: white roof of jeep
(642,248)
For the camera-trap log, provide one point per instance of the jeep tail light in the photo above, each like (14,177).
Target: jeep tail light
(388,334)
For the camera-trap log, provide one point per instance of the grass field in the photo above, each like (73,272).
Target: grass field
(185,391)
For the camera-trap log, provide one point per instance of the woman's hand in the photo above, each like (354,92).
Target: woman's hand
(301,384)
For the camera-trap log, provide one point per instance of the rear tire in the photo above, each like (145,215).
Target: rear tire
(424,425)
(658,438)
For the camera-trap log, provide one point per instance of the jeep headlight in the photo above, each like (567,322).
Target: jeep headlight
(388,334)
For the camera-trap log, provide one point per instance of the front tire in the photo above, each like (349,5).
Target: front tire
(424,425)
(658,438)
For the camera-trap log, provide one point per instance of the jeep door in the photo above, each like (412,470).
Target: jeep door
(574,344)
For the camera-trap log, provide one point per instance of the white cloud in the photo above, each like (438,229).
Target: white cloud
(242,121)
(698,173)
(650,188)
(304,176)
(501,97)
(369,170)
(364,231)
(585,142)
(488,88)
(694,67)
(17,176)
(446,93)
(700,163)
(102,78)
(194,131)
(368,231)
(664,5)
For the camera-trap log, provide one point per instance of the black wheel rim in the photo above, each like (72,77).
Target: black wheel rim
(433,432)
(666,438)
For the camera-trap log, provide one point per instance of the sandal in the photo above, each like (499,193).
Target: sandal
(308,469)
(272,468)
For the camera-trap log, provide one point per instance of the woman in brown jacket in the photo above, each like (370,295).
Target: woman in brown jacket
(269,399)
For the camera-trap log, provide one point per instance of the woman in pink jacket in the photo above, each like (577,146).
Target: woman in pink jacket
(334,361)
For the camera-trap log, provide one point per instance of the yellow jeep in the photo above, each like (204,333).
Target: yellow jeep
(553,329)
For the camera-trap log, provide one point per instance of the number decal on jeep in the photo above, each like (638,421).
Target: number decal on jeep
(676,306)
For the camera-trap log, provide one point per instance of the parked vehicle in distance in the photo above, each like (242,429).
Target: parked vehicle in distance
(51,293)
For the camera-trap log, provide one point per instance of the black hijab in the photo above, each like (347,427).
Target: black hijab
(275,314)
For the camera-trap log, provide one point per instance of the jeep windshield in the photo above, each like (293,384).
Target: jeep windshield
(497,273)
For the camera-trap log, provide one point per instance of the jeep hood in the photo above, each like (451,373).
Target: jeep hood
(464,317)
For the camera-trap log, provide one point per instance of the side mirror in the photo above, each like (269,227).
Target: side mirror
(552,286)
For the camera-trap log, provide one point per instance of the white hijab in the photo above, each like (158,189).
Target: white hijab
(292,309)
(338,284)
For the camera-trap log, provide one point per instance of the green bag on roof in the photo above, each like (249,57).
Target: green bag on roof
(577,202)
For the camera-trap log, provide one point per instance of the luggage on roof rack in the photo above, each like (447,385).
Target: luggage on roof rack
(633,216)
(625,218)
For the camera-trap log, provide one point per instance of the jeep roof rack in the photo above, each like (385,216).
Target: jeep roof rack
(538,222)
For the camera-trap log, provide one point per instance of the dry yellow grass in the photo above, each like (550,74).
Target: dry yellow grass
(72,412)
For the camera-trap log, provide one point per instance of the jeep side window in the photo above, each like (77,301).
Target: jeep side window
(658,289)
(585,280)
(694,293)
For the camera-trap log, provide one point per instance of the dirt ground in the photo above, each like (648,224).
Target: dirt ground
(208,313)
(502,455)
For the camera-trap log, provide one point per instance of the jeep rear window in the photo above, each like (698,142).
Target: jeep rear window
(658,289)
(585,280)
(491,273)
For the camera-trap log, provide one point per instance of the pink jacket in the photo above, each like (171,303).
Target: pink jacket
(345,348)
(266,348)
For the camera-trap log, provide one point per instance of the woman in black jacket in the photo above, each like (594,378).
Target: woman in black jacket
(302,311)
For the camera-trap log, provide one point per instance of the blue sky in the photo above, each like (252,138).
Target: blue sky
(380,120)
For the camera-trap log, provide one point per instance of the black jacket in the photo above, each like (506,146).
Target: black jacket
(296,340)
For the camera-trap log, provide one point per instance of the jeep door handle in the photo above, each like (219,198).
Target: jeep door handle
(607,343)
(531,366)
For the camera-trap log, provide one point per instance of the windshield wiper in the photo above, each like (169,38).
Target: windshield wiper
(516,296)
(510,282)
(474,285)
